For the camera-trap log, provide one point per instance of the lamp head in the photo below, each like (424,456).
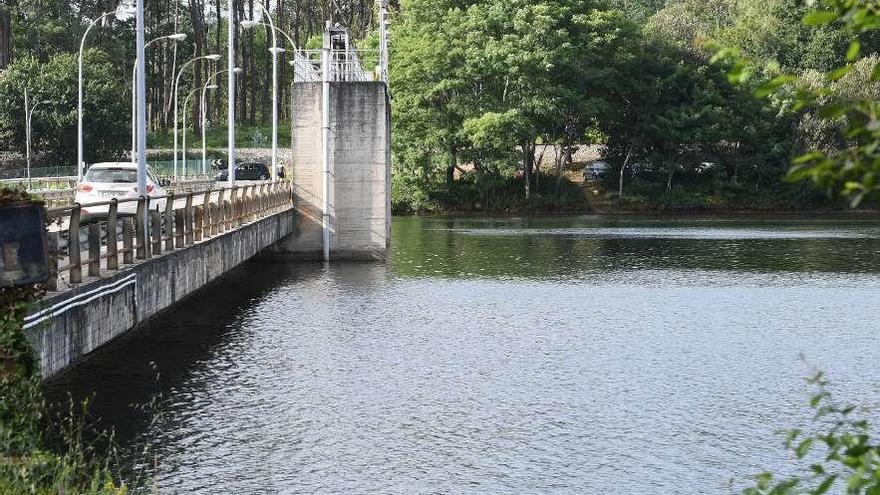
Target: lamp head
(46,102)
(247,23)
(212,86)
(237,70)
(275,50)
(177,37)
(213,56)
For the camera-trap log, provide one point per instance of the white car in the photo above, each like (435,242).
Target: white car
(108,180)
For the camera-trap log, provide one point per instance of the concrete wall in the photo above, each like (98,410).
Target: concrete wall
(360,159)
(106,308)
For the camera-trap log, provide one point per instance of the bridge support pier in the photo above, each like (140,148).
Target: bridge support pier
(360,178)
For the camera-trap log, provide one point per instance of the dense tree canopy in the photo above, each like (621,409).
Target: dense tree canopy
(482,85)
(38,31)
(105,109)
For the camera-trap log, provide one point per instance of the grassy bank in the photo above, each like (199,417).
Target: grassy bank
(474,194)
(39,454)
(713,198)
(470,194)
(246,136)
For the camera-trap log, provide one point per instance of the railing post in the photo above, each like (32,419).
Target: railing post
(73,246)
(112,242)
(233,220)
(198,223)
(220,222)
(127,241)
(206,215)
(140,231)
(95,249)
(54,253)
(169,222)
(243,205)
(156,228)
(188,220)
(258,200)
(246,195)
(179,216)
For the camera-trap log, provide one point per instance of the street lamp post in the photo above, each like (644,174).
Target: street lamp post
(230,89)
(174,37)
(212,57)
(79,141)
(209,84)
(141,121)
(275,50)
(29,118)
(204,124)
(185,105)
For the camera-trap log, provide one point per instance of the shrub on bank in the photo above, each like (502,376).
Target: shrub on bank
(721,197)
(27,464)
(473,193)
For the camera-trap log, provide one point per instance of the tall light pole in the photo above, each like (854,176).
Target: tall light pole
(141,87)
(29,118)
(175,37)
(325,142)
(204,124)
(212,57)
(383,41)
(275,50)
(230,87)
(185,105)
(79,141)
(209,84)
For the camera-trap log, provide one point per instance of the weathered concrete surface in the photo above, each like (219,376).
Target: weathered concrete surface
(360,161)
(132,296)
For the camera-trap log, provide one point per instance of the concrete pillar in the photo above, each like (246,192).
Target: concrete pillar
(360,186)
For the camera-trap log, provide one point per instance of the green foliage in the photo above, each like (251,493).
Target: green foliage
(483,82)
(850,458)
(474,193)
(217,139)
(106,109)
(27,466)
(474,84)
(837,105)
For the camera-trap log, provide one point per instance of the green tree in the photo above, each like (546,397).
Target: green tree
(481,81)
(106,107)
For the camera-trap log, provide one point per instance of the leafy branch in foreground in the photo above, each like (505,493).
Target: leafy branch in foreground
(847,97)
(851,458)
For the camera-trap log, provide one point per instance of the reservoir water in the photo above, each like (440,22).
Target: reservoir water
(583,355)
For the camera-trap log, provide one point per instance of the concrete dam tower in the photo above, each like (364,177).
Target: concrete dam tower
(341,127)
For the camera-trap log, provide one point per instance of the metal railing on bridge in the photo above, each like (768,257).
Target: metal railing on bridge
(61,191)
(178,221)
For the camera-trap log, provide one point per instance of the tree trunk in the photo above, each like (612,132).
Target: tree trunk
(623,170)
(251,68)
(6,33)
(218,102)
(527,169)
(169,106)
(453,163)
(560,159)
(267,86)
(197,17)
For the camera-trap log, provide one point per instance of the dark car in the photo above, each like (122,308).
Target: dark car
(250,171)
